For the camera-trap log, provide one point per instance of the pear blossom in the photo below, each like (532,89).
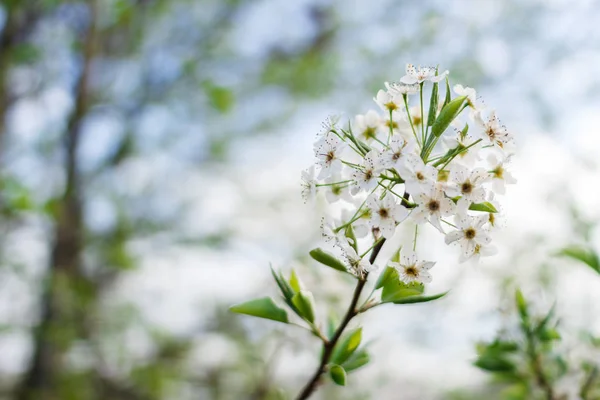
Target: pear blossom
(399,149)
(469,234)
(421,74)
(418,176)
(410,269)
(467,184)
(328,151)
(366,177)
(500,176)
(469,92)
(495,133)
(401,88)
(471,148)
(386,213)
(478,252)
(309,185)
(432,207)
(358,265)
(389,101)
(367,126)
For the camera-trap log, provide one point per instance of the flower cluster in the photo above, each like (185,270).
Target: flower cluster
(390,167)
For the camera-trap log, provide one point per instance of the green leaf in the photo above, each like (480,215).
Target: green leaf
(328,259)
(357,360)
(547,335)
(221,98)
(305,305)
(433,103)
(583,254)
(486,206)
(351,237)
(420,299)
(295,282)
(448,93)
(394,289)
(494,364)
(521,304)
(388,274)
(264,307)
(332,323)
(447,115)
(286,290)
(338,374)
(346,346)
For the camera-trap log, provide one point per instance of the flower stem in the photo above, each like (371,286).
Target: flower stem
(328,347)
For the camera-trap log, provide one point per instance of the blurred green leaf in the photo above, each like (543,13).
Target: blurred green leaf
(351,237)
(433,103)
(295,281)
(264,307)
(394,289)
(338,374)
(447,115)
(305,304)
(494,364)
(548,335)
(221,98)
(388,274)
(328,259)
(420,299)
(346,346)
(485,207)
(583,254)
(357,359)
(521,304)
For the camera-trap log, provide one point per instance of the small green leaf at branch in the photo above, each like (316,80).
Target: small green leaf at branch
(347,346)
(338,374)
(447,115)
(305,305)
(264,307)
(328,259)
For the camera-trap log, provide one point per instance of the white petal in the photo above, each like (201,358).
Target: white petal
(453,236)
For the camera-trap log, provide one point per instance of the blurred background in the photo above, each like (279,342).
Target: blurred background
(150,157)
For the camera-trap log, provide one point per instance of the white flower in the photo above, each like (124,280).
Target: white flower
(410,269)
(470,93)
(389,102)
(432,206)
(418,177)
(309,185)
(470,233)
(467,184)
(478,252)
(495,220)
(337,191)
(493,131)
(327,151)
(469,156)
(367,126)
(401,88)
(359,266)
(421,74)
(386,213)
(328,230)
(366,177)
(500,176)
(398,149)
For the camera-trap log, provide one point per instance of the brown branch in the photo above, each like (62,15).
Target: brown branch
(328,347)
(64,269)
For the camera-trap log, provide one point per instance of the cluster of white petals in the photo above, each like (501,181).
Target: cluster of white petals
(427,157)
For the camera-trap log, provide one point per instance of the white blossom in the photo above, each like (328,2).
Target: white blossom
(478,252)
(469,234)
(399,148)
(432,207)
(368,125)
(421,74)
(358,265)
(328,151)
(410,269)
(418,177)
(467,184)
(466,157)
(493,131)
(500,176)
(366,177)
(386,213)
(309,185)
(389,102)
(401,88)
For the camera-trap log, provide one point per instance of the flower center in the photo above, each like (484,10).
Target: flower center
(498,172)
(369,133)
(383,213)
(491,133)
(391,106)
(420,176)
(393,124)
(466,187)
(470,233)
(368,175)
(433,205)
(411,271)
(330,156)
